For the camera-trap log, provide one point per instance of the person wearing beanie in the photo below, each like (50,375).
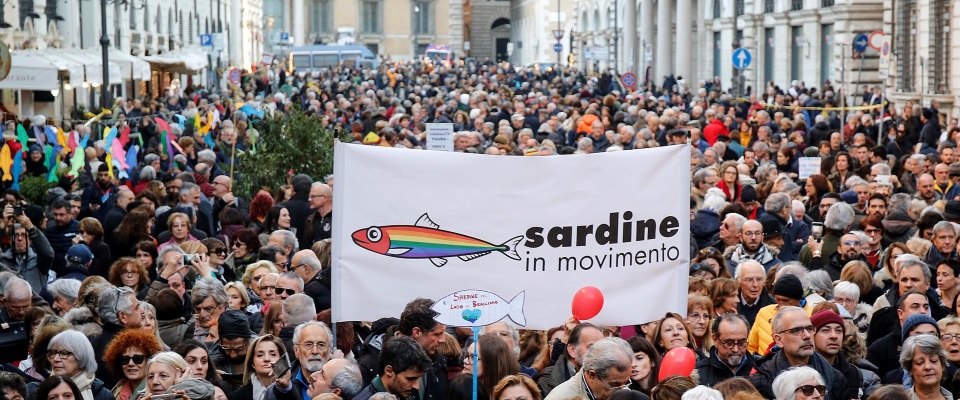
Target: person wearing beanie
(794,338)
(787,291)
(828,340)
(885,352)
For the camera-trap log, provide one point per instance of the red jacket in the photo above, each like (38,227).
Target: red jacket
(714,130)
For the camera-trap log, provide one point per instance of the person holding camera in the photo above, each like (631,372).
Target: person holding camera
(31,255)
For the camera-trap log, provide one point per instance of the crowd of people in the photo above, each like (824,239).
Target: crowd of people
(156,280)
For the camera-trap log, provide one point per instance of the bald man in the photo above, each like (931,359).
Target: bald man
(319,225)
(926,190)
(751,247)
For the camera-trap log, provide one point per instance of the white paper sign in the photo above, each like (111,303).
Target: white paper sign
(417,224)
(440,137)
(809,166)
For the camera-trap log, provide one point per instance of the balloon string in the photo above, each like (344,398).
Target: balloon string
(476,344)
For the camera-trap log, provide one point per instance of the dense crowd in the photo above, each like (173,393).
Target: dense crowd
(143,275)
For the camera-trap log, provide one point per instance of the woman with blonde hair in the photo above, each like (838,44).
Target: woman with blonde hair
(264,351)
(516,387)
(699,314)
(164,370)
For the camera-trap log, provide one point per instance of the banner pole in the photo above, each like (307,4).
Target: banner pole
(476,343)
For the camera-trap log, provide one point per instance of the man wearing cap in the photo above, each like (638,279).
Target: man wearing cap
(917,324)
(793,335)
(828,340)
(885,352)
(773,237)
(787,291)
(848,250)
(228,353)
(78,260)
(751,247)
(748,198)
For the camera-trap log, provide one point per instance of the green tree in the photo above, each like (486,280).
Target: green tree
(296,141)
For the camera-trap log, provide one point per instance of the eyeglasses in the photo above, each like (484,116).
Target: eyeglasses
(280,290)
(294,267)
(233,349)
(730,343)
(52,354)
(207,309)
(137,359)
(81,232)
(808,389)
(698,317)
(220,252)
(614,388)
(129,273)
(798,330)
(947,338)
(309,346)
(753,234)
(267,288)
(852,243)
(311,197)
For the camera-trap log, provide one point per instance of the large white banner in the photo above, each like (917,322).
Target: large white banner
(492,237)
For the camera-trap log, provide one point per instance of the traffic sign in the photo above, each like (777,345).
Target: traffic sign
(284,36)
(875,40)
(234,76)
(741,58)
(217,40)
(206,40)
(860,43)
(884,57)
(557,47)
(4,61)
(596,53)
(558,34)
(629,79)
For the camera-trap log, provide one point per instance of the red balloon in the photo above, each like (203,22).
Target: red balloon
(587,303)
(678,361)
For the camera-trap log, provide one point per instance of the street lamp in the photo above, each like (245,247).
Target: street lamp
(416,28)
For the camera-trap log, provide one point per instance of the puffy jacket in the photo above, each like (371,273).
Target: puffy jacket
(713,130)
(771,365)
(761,334)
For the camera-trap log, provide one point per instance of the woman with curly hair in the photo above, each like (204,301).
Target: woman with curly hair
(127,357)
(259,207)
(126,271)
(134,228)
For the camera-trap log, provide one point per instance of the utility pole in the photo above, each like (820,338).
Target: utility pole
(737,73)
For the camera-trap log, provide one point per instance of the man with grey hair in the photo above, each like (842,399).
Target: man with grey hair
(119,310)
(793,333)
(778,211)
(703,180)
(318,280)
(287,242)
(16,300)
(898,225)
(312,347)
(288,285)
(339,376)
(838,221)
(189,203)
(209,299)
(944,239)
(606,369)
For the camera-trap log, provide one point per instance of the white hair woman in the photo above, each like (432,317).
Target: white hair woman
(923,358)
(799,383)
(164,370)
(71,355)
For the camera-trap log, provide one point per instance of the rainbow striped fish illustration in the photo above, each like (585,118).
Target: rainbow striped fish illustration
(425,239)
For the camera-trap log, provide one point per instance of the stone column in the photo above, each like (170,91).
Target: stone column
(682,65)
(646,36)
(630,49)
(298,32)
(235,40)
(663,52)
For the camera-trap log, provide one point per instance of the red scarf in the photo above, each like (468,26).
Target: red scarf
(726,190)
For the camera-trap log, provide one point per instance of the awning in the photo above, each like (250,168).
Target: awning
(130,67)
(184,61)
(30,72)
(93,64)
(71,67)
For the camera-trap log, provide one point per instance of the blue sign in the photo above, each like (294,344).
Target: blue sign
(629,79)
(860,43)
(284,36)
(741,58)
(557,47)
(206,40)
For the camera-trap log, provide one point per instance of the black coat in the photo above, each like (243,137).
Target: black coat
(852,375)
(319,289)
(885,352)
(299,209)
(750,312)
(771,365)
(713,371)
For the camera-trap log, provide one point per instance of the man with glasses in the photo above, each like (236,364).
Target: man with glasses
(31,255)
(606,370)
(793,334)
(828,340)
(209,298)
(119,310)
(318,280)
(850,249)
(751,247)
(319,225)
(17,296)
(729,357)
(312,346)
(228,354)
(288,285)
